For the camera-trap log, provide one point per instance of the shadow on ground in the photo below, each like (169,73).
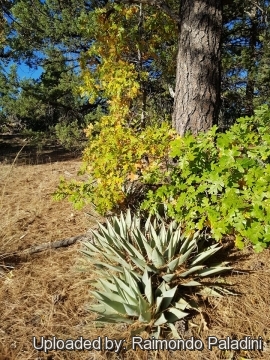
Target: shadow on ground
(27,153)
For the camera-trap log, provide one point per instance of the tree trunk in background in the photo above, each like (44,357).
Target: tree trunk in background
(251,68)
(197,92)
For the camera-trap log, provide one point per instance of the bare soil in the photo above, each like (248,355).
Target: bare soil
(46,294)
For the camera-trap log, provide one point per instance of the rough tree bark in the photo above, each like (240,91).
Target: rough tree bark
(197,92)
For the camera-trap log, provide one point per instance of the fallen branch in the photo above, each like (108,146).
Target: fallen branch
(18,256)
(56,244)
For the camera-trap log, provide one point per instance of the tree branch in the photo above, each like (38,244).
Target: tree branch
(157,3)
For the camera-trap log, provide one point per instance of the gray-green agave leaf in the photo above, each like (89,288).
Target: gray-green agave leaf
(145,269)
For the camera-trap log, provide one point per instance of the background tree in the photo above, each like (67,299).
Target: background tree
(243,59)
(44,36)
(40,104)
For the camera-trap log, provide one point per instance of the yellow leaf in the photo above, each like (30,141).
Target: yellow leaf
(132,177)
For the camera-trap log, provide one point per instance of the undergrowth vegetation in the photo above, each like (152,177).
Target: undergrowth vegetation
(221,182)
(217,182)
(115,157)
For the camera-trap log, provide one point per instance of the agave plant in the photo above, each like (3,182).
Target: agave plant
(144,269)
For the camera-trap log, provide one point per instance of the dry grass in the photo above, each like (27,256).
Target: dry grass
(47,296)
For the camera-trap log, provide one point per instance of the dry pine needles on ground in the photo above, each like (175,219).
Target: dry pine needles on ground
(46,295)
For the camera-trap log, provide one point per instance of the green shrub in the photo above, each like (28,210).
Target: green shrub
(114,160)
(146,273)
(70,135)
(221,181)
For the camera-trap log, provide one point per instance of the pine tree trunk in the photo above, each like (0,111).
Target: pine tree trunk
(197,92)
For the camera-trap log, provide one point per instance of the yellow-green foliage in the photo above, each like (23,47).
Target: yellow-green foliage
(114,157)
(106,70)
(116,150)
(117,65)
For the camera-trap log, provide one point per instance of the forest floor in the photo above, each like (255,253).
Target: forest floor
(45,294)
